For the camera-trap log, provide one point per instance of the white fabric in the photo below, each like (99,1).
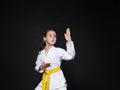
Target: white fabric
(54,56)
(61,88)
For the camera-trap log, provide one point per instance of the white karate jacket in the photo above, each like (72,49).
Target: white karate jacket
(54,57)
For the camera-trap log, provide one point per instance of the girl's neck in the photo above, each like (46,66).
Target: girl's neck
(47,47)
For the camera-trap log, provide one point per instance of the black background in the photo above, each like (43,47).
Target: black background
(94,29)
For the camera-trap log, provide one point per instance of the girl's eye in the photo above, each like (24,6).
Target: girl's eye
(50,35)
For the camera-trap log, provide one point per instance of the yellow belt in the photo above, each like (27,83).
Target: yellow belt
(46,77)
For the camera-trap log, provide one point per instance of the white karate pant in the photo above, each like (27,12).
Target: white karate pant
(61,88)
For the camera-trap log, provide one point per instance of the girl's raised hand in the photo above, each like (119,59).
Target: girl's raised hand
(67,35)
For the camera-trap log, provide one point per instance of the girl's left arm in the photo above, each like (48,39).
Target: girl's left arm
(68,54)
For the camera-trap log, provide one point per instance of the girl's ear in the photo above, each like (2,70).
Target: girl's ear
(44,39)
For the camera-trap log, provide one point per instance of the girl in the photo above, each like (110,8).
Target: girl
(49,61)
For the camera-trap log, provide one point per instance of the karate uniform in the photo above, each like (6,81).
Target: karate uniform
(54,57)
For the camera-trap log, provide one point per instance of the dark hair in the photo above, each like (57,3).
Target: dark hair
(43,43)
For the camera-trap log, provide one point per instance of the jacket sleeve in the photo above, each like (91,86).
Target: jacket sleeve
(38,64)
(69,53)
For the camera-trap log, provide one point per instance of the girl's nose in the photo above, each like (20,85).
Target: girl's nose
(53,37)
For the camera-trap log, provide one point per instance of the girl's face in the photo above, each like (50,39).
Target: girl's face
(50,37)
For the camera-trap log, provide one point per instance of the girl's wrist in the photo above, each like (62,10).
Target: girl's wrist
(69,42)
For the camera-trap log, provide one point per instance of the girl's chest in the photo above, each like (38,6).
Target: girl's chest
(51,56)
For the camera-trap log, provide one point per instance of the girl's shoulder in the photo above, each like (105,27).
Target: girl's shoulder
(58,49)
(40,52)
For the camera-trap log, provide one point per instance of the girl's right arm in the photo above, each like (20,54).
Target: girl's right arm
(43,66)
(40,65)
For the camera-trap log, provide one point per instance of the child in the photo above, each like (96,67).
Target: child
(49,61)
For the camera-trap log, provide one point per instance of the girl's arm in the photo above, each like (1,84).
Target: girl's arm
(43,66)
(67,35)
(40,65)
(70,52)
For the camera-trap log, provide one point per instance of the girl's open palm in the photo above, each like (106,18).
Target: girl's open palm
(67,35)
